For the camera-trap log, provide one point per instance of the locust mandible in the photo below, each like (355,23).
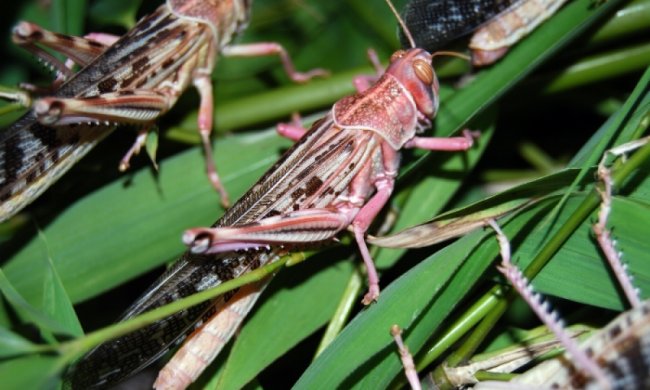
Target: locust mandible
(129,80)
(338,175)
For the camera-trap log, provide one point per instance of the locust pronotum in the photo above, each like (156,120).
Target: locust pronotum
(338,175)
(133,79)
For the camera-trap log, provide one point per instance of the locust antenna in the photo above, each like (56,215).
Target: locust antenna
(451,54)
(401,23)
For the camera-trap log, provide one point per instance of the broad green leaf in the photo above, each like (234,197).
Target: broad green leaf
(28,312)
(580,273)
(119,12)
(286,317)
(134,224)
(30,372)
(12,344)
(69,16)
(363,354)
(56,302)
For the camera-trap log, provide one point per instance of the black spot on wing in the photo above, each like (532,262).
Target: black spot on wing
(107,85)
(64,37)
(313,185)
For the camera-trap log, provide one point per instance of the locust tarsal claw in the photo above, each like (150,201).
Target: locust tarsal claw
(372,295)
(139,142)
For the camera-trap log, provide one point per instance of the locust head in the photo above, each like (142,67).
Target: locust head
(414,71)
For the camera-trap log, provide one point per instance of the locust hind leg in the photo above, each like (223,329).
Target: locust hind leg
(128,106)
(302,227)
(294,228)
(550,318)
(603,234)
(80,51)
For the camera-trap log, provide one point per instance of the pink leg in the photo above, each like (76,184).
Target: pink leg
(603,235)
(80,50)
(363,82)
(360,225)
(407,359)
(140,141)
(451,144)
(298,227)
(294,130)
(204,86)
(272,48)
(109,108)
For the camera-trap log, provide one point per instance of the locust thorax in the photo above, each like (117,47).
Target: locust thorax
(413,69)
(225,17)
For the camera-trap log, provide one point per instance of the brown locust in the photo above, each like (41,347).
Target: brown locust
(133,79)
(338,175)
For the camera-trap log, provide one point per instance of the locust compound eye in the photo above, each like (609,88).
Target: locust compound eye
(397,55)
(423,71)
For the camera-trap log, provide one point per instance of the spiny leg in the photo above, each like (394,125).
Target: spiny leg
(548,317)
(127,106)
(137,107)
(603,235)
(298,227)
(79,50)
